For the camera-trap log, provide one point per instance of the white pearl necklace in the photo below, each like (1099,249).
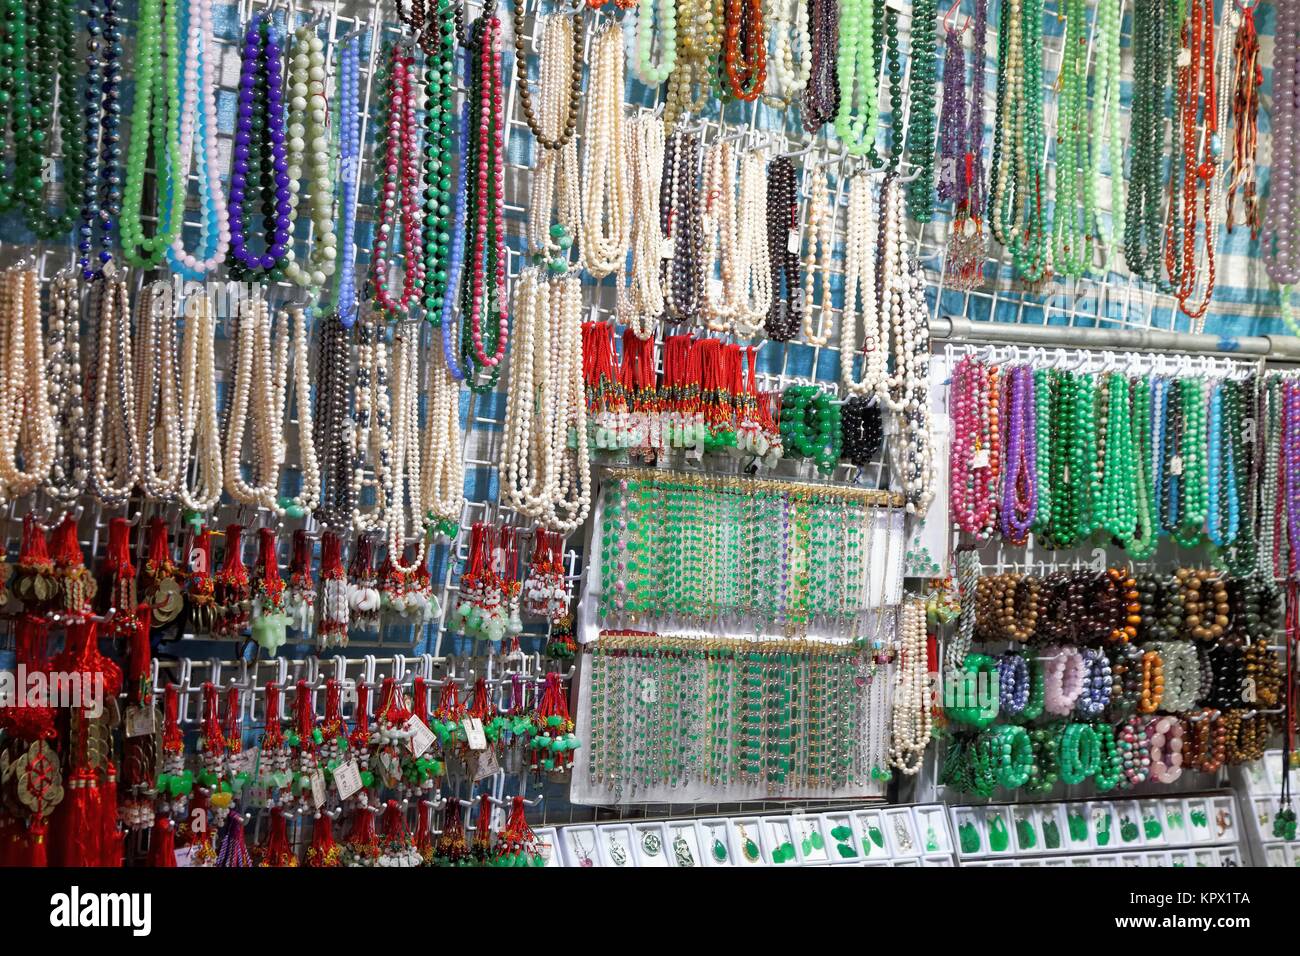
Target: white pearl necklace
(26,417)
(158,425)
(819,262)
(553,196)
(753,269)
(443,475)
(257,399)
(372,443)
(200,427)
(911,722)
(67,480)
(307,130)
(406,506)
(641,302)
(309,497)
(201,59)
(910,447)
(114,458)
(605,209)
(860,307)
(719,227)
(787,37)
(540,476)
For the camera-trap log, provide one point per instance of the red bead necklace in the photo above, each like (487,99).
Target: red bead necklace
(744,48)
(401,190)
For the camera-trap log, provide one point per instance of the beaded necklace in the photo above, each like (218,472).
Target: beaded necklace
(309,135)
(921,120)
(680,222)
(256,396)
(858,114)
(332,421)
(15,110)
(260,165)
(1151,59)
(863,287)
(155,119)
(568,120)
(349,126)
(744,49)
(641,301)
(1118,493)
(114,456)
(401,199)
(295,320)
(691,83)
(1074,221)
(484,299)
(1244,79)
(159,427)
(1109,145)
(67,477)
(719,227)
(972,462)
(650,13)
(821,97)
(1020,485)
(456,267)
(886,51)
(554,206)
(788,36)
(961,176)
(198,120)
(786,313)
(404,487)
(753,267)
(439,44)
(818,261)
(443,479)
(200,425)
(55,89)
(26,421)
(606,203)
(1281,238)
(101,198)
(1141,542)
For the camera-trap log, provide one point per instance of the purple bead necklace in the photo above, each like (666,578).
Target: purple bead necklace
(261,112)
(1020,482)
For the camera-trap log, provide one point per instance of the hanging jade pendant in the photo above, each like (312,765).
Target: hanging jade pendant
(999,838)
(719,850)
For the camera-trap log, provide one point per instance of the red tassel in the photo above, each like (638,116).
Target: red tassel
(37,846)
(363,842)
(77,831)
(110,846)
(324,852)
(424,831)
(277,851)
(162,845)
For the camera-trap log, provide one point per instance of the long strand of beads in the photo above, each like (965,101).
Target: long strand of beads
(911,723)
(641,302)
(198,141)
(554,204)
(309,138)
(786,314)
(406,509)
(158,430)
(792,43)
(921,120)
(719,227)
(972,474)
(333,422)
(371,439)
(690,85)
(1109,147)
(819,263)
(400,201)
(1074,218)
(439,44)
(744,49)
(200,427)
(861,284)
(260,165)
(27,431)
(485,334)
(349,116)
(114,457)
(1247,77)
(605,208)
(55,90)
(649,14)
(821,97)
(256,395)
(855,122)
(308,496)
(967,239)
(443,477)
(155,119)
(681,273)
(551,133)
(16,109)
(101,190)
(753,270)
(452,334)
(67,480)
(1151,64)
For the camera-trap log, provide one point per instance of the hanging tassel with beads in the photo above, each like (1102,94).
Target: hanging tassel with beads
(390,741)
(141,744)
(231,588)
(517,845)
(77,585)
(117,589)
(161,577)
(451,848)
(34,582)
(424,832)
(511,586)
(273,755)
(162,844)
(174,782)
(362,847)
(482,847)
(269,620)
(277,851)
(553,740)
(363,588)
(334,604)
(300,598)
(237,772)
(392,587)
(324,851)
(426,769)
(200,590)
(395,845)
(447,717)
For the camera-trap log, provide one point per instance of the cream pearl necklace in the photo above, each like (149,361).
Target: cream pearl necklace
(67,479)
(256,401)
(305,502)
(641,302)
(404,487)
(200,425)
(819,262)
(310,135)
(371,445)
(571,497)
(554,207)
(199,100)
(605,209)
(26,418)
(158,425)
(443,475)
(753,269)
(114,457)
(910,447)
(861,306)
(792,41)
(721,301)
(911,722)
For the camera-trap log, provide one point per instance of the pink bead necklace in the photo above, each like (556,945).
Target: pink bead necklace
(972,468)
(401,190)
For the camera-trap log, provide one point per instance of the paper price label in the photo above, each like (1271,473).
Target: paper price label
(140,721)
(317,780)
(487,766)
(792,243)
(421,738)
(1176,465)
(980,459)
(666,249)
(474,735)
(347,779)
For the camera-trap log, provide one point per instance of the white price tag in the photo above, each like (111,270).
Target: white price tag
(487,766)
(347,779)
(474,735)
(715,289)
(666,249)
(1185,57)
(257,796)
(421,738)
(792,243)
(317,788)
(1176,465)
(980,459)
(140,721)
